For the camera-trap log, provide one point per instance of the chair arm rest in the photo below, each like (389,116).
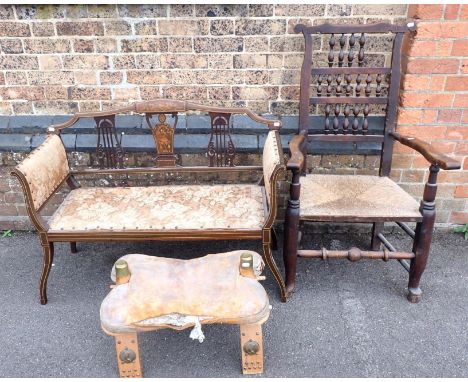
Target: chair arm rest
(296,160)
(427,151)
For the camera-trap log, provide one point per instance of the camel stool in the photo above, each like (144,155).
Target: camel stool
(152,293)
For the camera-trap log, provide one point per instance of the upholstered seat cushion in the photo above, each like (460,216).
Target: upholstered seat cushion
(163,290)
(355,198)
(187,207)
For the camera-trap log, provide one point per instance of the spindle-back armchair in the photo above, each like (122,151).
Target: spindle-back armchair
(350,97)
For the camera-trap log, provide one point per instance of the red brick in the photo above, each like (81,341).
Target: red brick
(461,191)
(465,116)
(449,116)
(451,11)
(425,11)
(437,83)
(429,116)
(432,66)
(426,100)
(420,162)
(459,217)
(457,132)
(409,116)
(414,82)
(461,100)
(464,12)
(459,83)
(443,30)
(402,149)
(460,48)
(458,177)
(464,67)
(443,147)
(465,164)
(444,48)
(462,148)
(424,132)
(422,48)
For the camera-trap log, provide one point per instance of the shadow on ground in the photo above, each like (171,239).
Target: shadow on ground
(345,320)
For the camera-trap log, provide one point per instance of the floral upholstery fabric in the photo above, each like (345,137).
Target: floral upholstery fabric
(45,168)
(208,287)
(271,158)
(187,207)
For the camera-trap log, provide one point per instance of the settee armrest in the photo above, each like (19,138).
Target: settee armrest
(427,151)
(296,160)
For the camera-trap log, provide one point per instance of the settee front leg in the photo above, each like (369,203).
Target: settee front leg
(73,248)
(423,236)
(270,261)
(48,251)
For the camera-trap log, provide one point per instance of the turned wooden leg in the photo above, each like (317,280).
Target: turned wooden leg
(48,249)
(423,236)
(376,229)
(252,348)
(128,355)
(291,234)
(73,247)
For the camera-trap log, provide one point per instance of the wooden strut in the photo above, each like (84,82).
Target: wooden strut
(391,248)
(354,254)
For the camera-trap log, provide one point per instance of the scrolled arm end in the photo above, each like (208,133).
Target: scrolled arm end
(296,161)
(427,151)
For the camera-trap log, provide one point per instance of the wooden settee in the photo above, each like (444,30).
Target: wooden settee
(156,212)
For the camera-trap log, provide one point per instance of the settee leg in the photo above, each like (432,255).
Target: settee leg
(128,355)
(73,248)
(423,236)
(268,257)
(48,249)
(252,348)
(376,229)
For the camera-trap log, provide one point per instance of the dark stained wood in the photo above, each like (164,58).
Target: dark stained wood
(352,100)
(164,170)
(160,107)
(357,28)
(340,95)
(427,151)
(348,70)
(296,161)
(345,138)
(423,236)
(354,254)
(390,123)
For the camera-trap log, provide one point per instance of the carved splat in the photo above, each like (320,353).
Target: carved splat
(109,151)
(221,149)
(163,135)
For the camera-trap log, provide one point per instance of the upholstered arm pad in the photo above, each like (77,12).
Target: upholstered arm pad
(428,152)
(43,170)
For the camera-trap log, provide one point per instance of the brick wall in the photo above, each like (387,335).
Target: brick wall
(434,104)
(57,60)
(62,59)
